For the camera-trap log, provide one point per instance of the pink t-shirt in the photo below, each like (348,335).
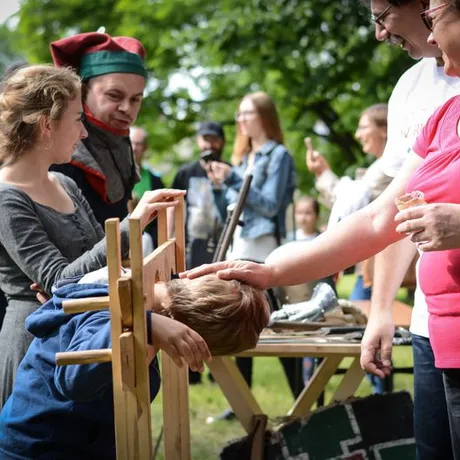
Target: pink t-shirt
(438,177)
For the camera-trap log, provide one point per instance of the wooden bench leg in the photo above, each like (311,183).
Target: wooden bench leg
(236,390)
(315,386)
(350,382)
(259,424)
(175,410)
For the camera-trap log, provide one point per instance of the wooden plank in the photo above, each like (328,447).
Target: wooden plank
(162,226)
(128,369)
(315,386)
(179,226)
(126,301)
(84,357)
(123,403)
(171,410)
(350,382)
(158,266)
(142,389)
(176,418)
(236,390)
(82,305)
(258,440)
(303,349)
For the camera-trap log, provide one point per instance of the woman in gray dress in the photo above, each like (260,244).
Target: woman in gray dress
(47,229)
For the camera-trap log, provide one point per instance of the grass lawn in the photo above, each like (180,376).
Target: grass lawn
(271,391)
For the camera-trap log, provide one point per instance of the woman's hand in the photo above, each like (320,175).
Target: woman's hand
(377,344)
(316,163)
(153,201)
(179,341)
(257,275)
(433,227)
(217,171)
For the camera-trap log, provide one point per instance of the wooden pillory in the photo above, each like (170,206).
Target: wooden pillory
(129,297)
(130,355)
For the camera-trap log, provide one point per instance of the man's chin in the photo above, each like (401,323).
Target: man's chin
(450,70)
(414,53)
(118,124)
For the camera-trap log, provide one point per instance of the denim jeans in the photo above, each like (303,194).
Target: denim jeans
(431,423)
(452,387)
(360,292)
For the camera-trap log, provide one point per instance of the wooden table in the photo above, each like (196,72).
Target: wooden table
(243,402)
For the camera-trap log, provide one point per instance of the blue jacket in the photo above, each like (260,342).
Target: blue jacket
(270,194)
(63,412)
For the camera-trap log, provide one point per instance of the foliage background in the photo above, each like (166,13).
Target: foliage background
(318,59)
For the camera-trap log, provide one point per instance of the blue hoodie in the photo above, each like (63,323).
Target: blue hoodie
(63,412)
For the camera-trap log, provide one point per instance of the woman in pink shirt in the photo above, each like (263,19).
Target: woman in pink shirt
(433,167)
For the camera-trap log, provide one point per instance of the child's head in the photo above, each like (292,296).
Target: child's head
(307,214)
(229,315)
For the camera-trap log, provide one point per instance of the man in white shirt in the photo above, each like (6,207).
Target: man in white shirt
(417,94)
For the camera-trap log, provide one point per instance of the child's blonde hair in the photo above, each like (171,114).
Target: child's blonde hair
(229,315)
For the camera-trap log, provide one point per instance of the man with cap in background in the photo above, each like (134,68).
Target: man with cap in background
(203,224)
(114,78)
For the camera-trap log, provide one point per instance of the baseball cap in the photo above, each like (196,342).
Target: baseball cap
(211,128)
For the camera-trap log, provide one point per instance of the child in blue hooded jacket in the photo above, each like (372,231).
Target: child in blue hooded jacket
(67,412)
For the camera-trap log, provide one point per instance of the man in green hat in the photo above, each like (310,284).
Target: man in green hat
(114,76)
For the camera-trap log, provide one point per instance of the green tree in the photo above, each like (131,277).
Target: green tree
(318,59)
(9,48)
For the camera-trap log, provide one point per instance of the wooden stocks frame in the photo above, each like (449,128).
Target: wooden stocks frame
(129,298)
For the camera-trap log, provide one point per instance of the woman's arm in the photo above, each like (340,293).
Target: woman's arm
(390,267)
(356,238)
(29,246)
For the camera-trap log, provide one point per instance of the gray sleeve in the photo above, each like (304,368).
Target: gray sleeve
(29,245)
(72,188)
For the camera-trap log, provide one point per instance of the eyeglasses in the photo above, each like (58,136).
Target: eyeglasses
(381,17)
(245,114)
(426,15)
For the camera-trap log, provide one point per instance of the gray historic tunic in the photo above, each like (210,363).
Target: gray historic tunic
(39,244)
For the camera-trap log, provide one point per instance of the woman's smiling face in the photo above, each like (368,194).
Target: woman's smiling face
(445,18)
